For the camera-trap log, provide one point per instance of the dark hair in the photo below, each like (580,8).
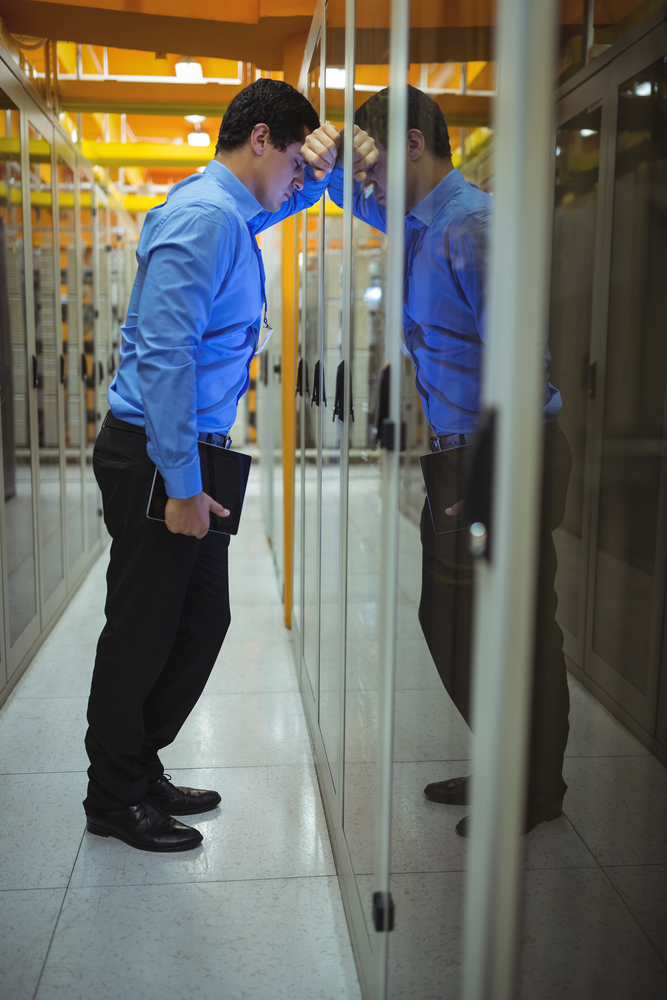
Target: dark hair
(423,114)
(287,113)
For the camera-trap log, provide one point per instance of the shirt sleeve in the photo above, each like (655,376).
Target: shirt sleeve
(366,209)
(468,251)
(186,267)
(311,193)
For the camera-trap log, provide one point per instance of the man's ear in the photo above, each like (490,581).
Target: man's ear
(259,138)
(416,144)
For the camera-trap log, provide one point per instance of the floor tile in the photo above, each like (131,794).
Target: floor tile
(618,806)
(644,891)
(253,588)
(580,941)
(58,672)
(254,666)
(41,825)
(262,622)
(595,732)
(241,730)
(43,734)
(28,919)
(281,939)
(270,824)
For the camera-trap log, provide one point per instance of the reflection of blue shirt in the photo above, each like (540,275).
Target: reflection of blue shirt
(444,303)
(194,316)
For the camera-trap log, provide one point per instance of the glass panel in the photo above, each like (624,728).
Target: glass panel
(105,347)
(313,404)
(72,348)
(47,349)
(15,380)
(573,255)
(614,18)
(594,888)
(302,401)
(89,355)
(630,519)
(570,39)
(364,530)
(333,372)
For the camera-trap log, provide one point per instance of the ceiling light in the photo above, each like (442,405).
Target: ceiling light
(643,89)
(177,141)
(190,71)
(199,139)
(335,78)
(585,132)
(195,119)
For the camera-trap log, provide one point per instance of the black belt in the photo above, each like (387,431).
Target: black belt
(208,437)
(445,442)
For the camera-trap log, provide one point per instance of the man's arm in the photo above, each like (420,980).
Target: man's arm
(323,150)
(313,189)
(183,273)
(468,252)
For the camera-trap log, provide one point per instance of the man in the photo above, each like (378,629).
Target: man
(446,241)
(192,329)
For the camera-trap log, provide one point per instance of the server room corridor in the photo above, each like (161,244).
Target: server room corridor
(256,911)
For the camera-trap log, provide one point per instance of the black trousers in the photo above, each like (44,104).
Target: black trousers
(167,614)
(445,614)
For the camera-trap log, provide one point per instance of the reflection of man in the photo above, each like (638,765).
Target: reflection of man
(191,332)
(446,240)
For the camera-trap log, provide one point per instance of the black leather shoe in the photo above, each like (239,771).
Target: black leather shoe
(144,826)
(454,792)
(180,801)
(542,812)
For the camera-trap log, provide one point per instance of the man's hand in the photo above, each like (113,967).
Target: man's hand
(324,146)
(191,516)
(456,509)
(365,153)
(320,149)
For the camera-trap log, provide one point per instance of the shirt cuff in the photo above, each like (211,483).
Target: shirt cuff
(183,483)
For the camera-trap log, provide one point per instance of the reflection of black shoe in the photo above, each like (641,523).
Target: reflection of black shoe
(454,792)
(144,826)
(542,812)
(180,801)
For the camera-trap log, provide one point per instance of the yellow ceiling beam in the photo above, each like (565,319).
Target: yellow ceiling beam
(142,202)
(117,97)
(146,154)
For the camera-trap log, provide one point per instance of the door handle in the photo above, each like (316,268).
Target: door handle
(100,370)
(84,368)
(35,376)
(62,369)
(319,392)
(338,409)
(299,379)
(385,429)
(479,490)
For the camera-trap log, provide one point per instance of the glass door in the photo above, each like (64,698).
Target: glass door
(18,379)
(627,595)
(48,349)
(90,355)
(73,358)
(314,405)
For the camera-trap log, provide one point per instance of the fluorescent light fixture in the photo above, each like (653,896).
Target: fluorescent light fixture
(558,150)
(335,78)
(177,141)
(190,71)
(195,119)
(200,170)
(585,132)
(75,135)
(643,89)
(372,296)
(199,139)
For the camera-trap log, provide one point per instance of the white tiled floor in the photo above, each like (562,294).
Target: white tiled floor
(256,912)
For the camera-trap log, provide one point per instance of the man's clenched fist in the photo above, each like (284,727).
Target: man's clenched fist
(324,146)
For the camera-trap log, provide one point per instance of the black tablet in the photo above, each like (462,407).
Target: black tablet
(224,476)
(445,475)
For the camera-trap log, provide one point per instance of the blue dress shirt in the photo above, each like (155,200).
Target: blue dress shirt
(444,299)
(194,316)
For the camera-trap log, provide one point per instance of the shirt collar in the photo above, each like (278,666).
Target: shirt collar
(247,203)
(427,209)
